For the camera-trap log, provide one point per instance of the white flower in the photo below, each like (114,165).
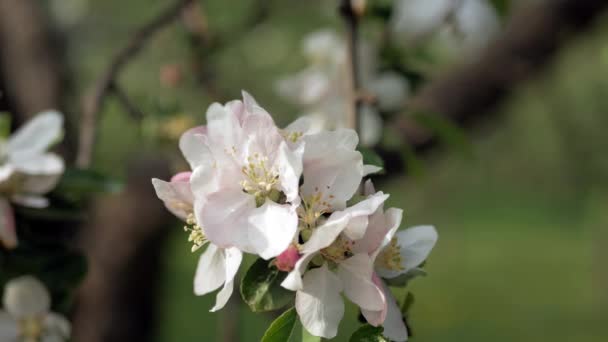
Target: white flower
(461,25)
(216,266)
(27,171)
(393,254)
(323,88)
(27,316)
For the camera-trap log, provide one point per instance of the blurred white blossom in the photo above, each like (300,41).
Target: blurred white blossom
(462,26)
(27,170)
(322,89)
(27,316)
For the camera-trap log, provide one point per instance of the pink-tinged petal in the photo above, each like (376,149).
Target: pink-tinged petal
(356,228)
(356,275)
(233,258)
(287,260)
(319,303)
(36,135)
(8,235)
(181,177)
(377,317)
(293,281)
(223,127)
(272,228)
(176,196)
(325,234)
(211,271)
(224,217)
(394,327)
(381,229)
(194,146)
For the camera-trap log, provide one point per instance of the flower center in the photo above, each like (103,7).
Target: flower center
(313,208)
(292,136)
(339,250)
(197,235)
(31,328)
(390,257)
(260,180)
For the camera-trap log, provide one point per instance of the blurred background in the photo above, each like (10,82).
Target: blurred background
(515,182)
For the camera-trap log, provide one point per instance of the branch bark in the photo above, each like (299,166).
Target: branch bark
(351,19)
(468,94)
(94,100)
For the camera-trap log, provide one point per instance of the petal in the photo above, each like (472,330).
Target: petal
(26,296)
(193,144)
(233,258)
(206,179)
(211,271)
(40,184)
(58,325)
(8,236)
(223,126)
(272,228)
(9,327)
(319,303)
(377,317)
(416,244)
(293,281)
(289,166)
(38,164)
(6,172)
(176,196)
(325,234)
(224,217)
(394,327)
(370,169)
(391,90)
(371,123)
(380,230)
(304,125)
(356,228)
(356,275)
(31,201)
(36,135)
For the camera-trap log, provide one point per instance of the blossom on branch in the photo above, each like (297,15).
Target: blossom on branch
(27,170)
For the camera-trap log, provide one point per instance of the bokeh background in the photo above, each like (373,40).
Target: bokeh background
(519,200)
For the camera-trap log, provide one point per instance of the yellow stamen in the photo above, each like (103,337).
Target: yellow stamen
(197,235)
(390,257)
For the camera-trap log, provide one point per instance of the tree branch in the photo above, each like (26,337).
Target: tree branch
(94,100)
(466,95)
(351,20)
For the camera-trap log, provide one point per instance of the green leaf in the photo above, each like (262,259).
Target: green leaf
(261,287)
(5,124)
(78,184)
(407,304)
(404,279)
(282,328)
(370,157)
(368,333)
(447,131)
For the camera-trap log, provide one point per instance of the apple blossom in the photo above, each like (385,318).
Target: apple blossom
(245,178)
(27,171)
(322,87)
(393,254)
(216,266)
(27,316)
(461,25)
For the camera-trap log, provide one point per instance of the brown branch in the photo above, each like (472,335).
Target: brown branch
(127,104)
(469,94)
(351,19)
(94,100)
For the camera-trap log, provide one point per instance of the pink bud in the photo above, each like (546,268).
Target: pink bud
(181,177)
(287,260)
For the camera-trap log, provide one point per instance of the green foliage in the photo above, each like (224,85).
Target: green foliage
(5,125)
(502,6)
(261,287)
(448,132)
(404,279)
(407,304)
(78,185)
(282,328)
(368,333)
(370,157)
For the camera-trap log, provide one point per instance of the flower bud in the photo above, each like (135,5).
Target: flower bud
(287,260)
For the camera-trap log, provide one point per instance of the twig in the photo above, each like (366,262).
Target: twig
(94,100)
(351,19)
(124,100)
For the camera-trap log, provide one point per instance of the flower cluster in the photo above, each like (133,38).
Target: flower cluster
(27,316)
(292,195)
(27,170)
(324,84)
